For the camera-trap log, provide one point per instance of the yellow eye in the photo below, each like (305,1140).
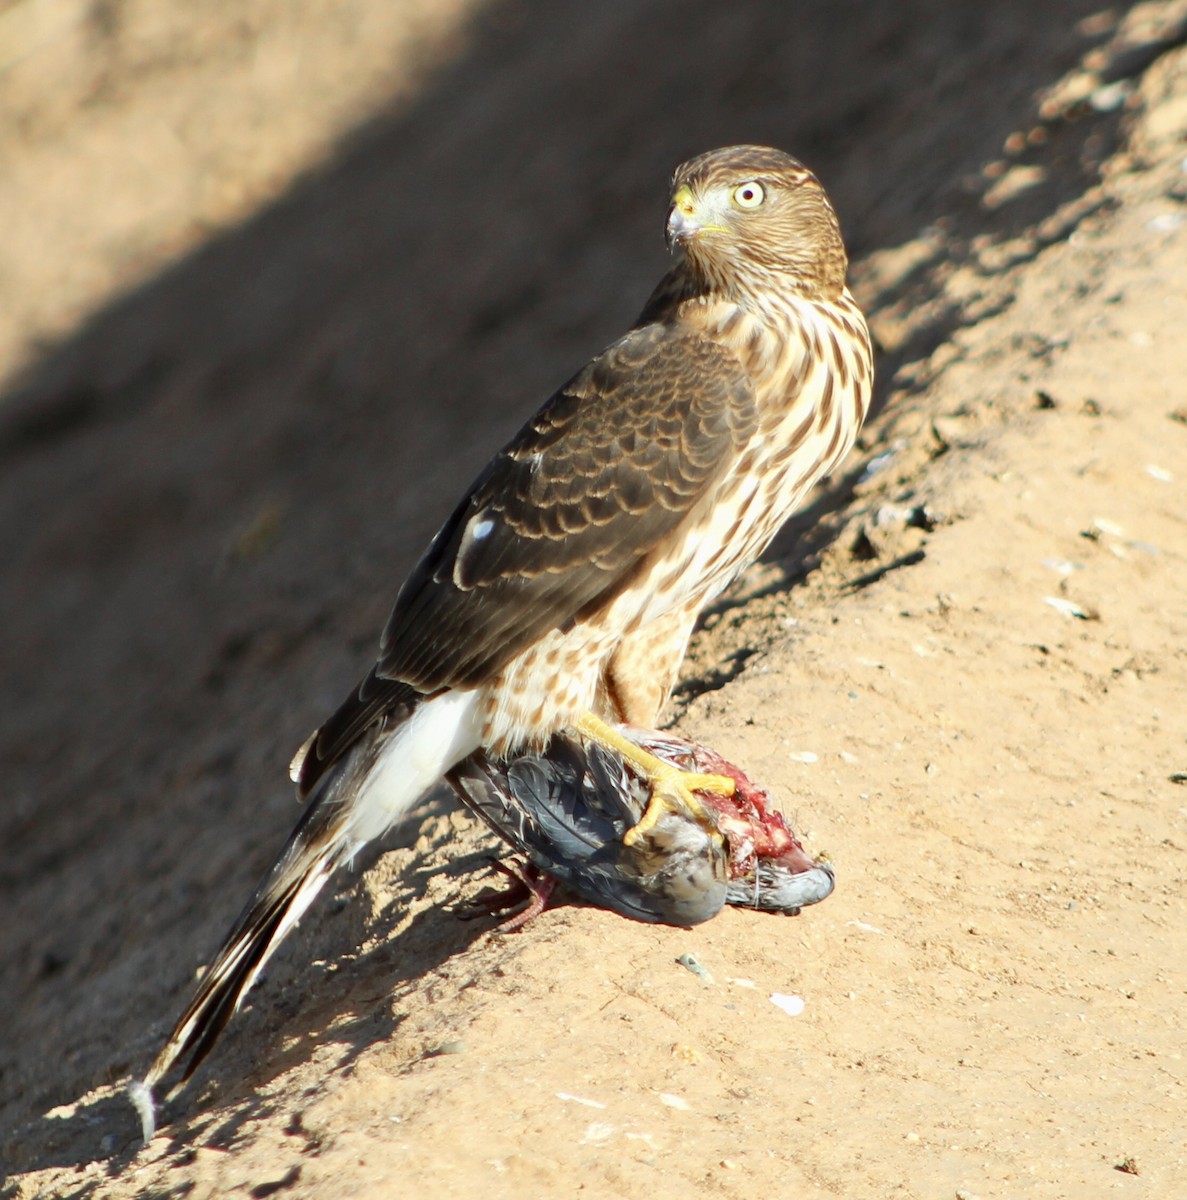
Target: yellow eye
(749,194)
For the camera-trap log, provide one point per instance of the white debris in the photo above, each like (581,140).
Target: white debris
(580,1100)
(1061,566)
(791,1005)
(597,1133)
(1069,608)
(647,1138)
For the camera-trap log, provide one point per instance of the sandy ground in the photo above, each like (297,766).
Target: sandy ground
(963,670)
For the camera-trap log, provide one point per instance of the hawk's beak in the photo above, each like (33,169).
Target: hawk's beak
(686,219)
(682,218)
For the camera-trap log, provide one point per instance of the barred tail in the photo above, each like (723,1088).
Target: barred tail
(382,776)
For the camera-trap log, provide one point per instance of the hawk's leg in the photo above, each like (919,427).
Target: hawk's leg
(672,790)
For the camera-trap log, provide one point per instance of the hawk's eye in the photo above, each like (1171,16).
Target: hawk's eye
(749,195)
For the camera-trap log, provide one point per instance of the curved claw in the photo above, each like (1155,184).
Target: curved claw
(675,791)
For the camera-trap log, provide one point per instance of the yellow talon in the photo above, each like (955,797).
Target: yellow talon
(672,790)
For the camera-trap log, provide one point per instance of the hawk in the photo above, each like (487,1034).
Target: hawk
(562,591)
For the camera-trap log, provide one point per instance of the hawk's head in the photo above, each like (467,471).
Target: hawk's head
(750,219)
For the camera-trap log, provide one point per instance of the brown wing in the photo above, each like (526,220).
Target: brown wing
(562,516)
(556,523)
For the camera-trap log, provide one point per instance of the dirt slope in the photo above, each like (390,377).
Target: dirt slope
(965,677)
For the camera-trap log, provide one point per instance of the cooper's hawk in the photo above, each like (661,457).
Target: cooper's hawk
(562,591)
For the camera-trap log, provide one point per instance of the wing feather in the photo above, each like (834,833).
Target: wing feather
(568,510)
(556,524)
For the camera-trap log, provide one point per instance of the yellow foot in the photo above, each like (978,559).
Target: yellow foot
(672,790)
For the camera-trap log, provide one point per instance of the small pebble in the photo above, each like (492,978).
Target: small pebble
(690,962)
(878,462)
(1111,97)
(1165,223)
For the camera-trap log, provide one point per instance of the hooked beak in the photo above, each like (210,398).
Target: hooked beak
(682,218)
(687,219)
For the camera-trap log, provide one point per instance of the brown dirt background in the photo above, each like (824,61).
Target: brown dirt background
(276,282)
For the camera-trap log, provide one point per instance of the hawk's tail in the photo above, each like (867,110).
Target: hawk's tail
(379,779)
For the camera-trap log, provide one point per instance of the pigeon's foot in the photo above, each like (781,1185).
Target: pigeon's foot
(528,886)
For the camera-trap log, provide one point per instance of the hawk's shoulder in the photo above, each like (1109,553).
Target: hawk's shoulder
(563,515)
